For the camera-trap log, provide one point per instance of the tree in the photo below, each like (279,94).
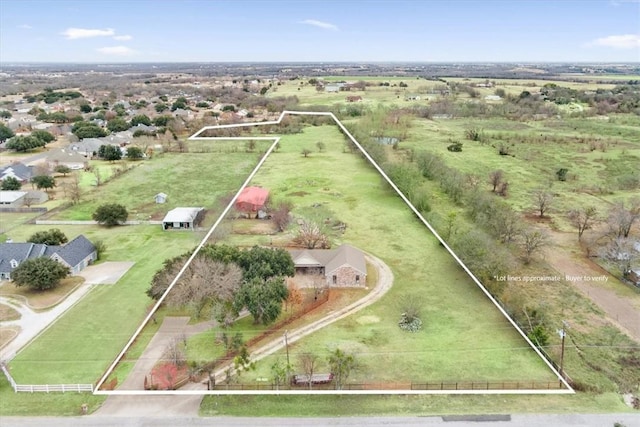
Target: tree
(542,200)
(281,215)
(43,181)
(620,252)
(310,235)
(621,219)
(140,119)
(305,152)
(582,218)
(24,143)
(562,174)
(87,130)
(308,364)
(495,179)
(109,152)
(5,132)
(43,135)
(533,241)
(134,153)
(280,373)
(263,298)
(206,281)
(85,108)
(63,169)
(341,365)
(50,237)
(40,273)
(117,124)
(110,214)
(5,114)
(160,107)
(10,184)
(101,248)
(321,146)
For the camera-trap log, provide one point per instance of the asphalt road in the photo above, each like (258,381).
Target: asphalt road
(565,420)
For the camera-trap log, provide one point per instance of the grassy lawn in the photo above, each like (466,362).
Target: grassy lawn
(189,179)
(457,342)
(407,405)
(80,345)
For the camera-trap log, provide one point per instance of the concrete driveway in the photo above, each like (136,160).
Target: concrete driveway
(106,273)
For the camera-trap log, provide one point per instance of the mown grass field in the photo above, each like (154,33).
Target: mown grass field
(81,344)
(464,337)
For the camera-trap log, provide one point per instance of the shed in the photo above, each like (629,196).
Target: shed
(182,219)
(252,199)
(160,198)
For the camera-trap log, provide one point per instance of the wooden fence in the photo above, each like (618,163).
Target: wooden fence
(46,388)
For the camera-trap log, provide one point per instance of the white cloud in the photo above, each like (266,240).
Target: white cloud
(84,33)
(123,37)
(25,26)
(320,24)
(624,41)
(117,51)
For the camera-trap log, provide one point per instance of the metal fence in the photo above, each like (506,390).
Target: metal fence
(427,386)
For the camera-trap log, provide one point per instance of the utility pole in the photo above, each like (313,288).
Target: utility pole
(286,345)
(563,333)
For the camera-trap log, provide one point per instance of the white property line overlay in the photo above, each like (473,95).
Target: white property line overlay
(196,137)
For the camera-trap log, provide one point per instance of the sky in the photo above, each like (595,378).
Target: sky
(116,31)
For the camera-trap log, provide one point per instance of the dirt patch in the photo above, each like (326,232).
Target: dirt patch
(253,227)
(298,194)
(7,334)
(42,300)
(567,258)
(8,313)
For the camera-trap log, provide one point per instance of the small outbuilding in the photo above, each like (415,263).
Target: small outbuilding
(160,198)
(252,199)
(182,219)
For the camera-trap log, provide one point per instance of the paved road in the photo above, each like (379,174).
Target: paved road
(565,420)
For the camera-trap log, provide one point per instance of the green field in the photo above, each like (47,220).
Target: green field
(456,343)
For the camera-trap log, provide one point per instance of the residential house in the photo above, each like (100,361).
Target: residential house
(12,199)
(76,254)
(182,219)
(341,267)
(87,147)
(66,157)
(18,171)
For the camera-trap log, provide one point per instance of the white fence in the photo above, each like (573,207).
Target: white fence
(46,388)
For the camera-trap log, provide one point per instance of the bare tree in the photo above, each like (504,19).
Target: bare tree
(98,175)
(308,364)
(583,218)
(311,236)
(205,282)
(73,189)
(621,219)
(542,200)
(620,252)
(533,241)
(174,352)
(495,179)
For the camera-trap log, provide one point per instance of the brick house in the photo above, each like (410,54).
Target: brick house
(341,267)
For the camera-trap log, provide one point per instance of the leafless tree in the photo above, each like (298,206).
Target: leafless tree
(174,352)
(495,179)
(503,189)
(206,281)
(533,241)
(308,364)
(620,251)
(542,200)
(98,175)
(583,218)
(621,219)
(73,190)
(311,236)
